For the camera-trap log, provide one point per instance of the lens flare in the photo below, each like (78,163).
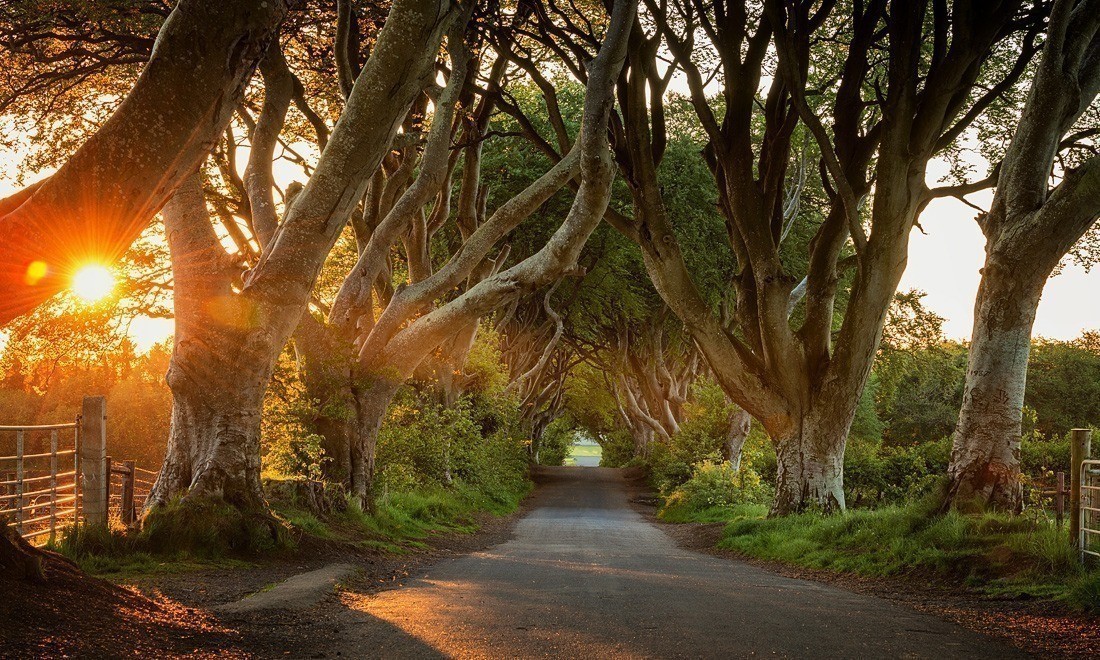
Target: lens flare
(35,272)
(93,283)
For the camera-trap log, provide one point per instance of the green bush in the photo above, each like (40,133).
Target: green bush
(556,440)
(715,485)
(876,475)
(423,444)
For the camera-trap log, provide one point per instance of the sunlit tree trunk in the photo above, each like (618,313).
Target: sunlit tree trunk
(214,442)
(1029,228)
(985,461)
(227,341)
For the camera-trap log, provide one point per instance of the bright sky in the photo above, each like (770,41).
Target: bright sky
(946,264)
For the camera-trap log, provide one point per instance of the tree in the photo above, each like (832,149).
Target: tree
(1030,226)
(105,194)
(801,374)
(226,348)
(411,327)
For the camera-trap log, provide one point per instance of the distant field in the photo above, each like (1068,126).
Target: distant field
(584,455)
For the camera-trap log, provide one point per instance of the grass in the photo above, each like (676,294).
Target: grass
(122,554)
(214,536)
(401,521)
(1010,556)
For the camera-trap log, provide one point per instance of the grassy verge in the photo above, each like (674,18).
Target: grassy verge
(400,523)
(1015,556)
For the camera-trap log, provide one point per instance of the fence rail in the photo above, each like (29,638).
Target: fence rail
(37,488)
(1089,539)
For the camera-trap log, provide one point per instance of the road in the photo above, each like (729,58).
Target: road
(587,576)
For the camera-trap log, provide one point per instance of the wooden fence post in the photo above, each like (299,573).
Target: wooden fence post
(128,516)
(93,460)
(1079,450)
(53,483)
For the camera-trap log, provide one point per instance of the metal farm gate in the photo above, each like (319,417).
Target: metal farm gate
(1088,540)
(39,483)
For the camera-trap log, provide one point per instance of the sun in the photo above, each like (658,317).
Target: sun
(93,283)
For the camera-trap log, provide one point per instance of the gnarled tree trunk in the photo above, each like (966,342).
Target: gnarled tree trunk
(373,395)
(214,442)
(227,342)
(18,559)
(810,466)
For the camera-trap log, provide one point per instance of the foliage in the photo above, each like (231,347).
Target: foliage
(557,438)
(877,474)
(715,485)
(701,441)
(1063,384)
(425,444)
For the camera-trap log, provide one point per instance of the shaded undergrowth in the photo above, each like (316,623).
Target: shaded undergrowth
(402,521)
(192,536)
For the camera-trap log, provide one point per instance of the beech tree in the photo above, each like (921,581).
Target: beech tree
(1039,211)
(413,326)
(225,354)
(101,199)
(219,375)
(539,361)
(801,374)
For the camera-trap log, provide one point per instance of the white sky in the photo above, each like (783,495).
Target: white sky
(946,264)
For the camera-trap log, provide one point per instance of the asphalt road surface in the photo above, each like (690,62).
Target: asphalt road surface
(588,577)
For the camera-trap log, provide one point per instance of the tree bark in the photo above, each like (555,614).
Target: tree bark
(810,462)
(740,424)
(227,343)
(217,394)
(18,559)
(985,456)
(324,361)
(373,395)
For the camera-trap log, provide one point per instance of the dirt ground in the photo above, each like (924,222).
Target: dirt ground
(168,615)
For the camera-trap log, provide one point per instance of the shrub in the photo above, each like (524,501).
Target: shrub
(715,485)
(876,475)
